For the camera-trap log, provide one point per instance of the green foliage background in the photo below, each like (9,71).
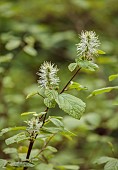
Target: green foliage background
(33,31)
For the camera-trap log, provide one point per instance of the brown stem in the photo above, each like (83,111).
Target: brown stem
(70,80)
(29,151)
(44,118)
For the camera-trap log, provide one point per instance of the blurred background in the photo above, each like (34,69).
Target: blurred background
(34,31)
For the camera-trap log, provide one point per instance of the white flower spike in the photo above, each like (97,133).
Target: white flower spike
(88,45)
(48,76)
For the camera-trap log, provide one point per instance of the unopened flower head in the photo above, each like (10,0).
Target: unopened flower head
(33,125)
(48,78)
(88,45)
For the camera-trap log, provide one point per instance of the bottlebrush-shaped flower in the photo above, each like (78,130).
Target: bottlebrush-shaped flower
(88,45)
(48,78)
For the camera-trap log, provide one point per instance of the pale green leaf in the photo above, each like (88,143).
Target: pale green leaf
(6,58)
(66,133)
(87,65)
(52,130)
(52,149)
(22,164)
(12,44)
(3,131)
(49,103)
(102,90)
(111,165)
(16,138)
(72,105)
(72,66)
(43,166)
(27,113)
(56,122)
(112,77)
(31,94)
(77,86)
(68,167)
(51,94)
(100,52)
(10,150)
(39,114)
(30,50)
(103,160)
(3,163)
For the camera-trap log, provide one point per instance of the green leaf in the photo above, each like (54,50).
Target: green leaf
(10,150)
(52,130)
(21,164)
(30,50)
(100,52)
(16,138)
(6,58)
(12,44)
(3,163)
(51,94)
(3,131)
(52,149)
(27,113)
(43,166)
(72,66)
(68,134)
(56,122)
(77,86)
(71,105)
(49,103)
(68,167)
(103,160)
(39,114)
(102,90)
(87,65)
(112,77)
(31,94)
(111,165)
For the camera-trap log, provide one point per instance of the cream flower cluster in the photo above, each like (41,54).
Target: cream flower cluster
(88,45)
(48,78)
(33,125)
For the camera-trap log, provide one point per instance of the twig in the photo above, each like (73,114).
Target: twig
(44,118)
(70,80)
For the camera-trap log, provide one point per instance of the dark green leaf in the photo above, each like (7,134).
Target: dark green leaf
(71,105)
